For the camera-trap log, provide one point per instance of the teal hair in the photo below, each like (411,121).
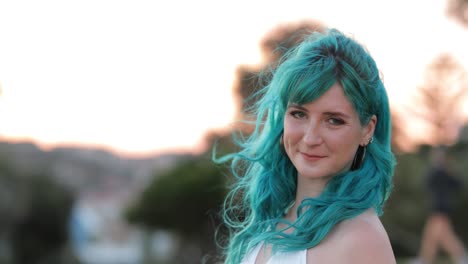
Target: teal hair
(266,179)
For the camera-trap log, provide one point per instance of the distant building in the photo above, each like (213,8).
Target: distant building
(99,235)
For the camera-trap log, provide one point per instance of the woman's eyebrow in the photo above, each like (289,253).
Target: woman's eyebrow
(298,107)
(334,113)
(328,113)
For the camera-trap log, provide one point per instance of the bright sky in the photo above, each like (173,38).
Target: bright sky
(145,76)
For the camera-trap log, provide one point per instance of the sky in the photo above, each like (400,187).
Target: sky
(141,77)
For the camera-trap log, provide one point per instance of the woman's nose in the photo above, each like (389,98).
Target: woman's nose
(312,134)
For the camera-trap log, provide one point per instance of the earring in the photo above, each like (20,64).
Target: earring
(358,158)
(360,155)
(281,143)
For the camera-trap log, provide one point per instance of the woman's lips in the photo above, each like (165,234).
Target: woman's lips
(312,157)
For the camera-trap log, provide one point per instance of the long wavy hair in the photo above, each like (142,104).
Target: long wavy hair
(266,180)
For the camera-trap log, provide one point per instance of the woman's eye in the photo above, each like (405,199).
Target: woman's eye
(298,114)
(335,121)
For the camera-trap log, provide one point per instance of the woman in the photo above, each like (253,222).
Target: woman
(314,175)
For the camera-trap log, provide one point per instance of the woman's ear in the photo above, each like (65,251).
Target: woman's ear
(368,130)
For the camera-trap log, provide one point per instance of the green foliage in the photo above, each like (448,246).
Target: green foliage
(43,227)
(9,185)
(35,212)
(405,211)
(181,199)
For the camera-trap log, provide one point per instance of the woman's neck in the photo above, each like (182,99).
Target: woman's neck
(306,188)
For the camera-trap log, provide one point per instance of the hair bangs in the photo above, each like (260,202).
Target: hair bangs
(310,81)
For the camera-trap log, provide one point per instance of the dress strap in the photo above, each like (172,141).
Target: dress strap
(252,255)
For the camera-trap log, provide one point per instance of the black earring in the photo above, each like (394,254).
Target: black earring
(281,143)
(358,158)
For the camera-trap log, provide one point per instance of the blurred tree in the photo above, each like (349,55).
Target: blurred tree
(406,208)
(188,191)
(10,208)
(273,46)
(284,37)
(439,100)
(41,232)
(458,9)
(35,211)
(185,199)
(399,136)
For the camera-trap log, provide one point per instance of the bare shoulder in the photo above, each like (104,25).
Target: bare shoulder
(362,240)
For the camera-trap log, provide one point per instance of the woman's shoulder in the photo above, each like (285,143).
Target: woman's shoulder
(367,224)
(362,239)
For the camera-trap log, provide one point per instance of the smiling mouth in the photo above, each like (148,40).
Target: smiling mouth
(312,157)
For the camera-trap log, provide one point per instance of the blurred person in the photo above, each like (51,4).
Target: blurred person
(438,232)
(313,177)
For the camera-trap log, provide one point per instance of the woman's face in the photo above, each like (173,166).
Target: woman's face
(322,137)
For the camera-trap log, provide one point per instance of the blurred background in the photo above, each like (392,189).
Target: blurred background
(109,111)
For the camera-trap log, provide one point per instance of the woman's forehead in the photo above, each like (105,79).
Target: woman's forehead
(334,97)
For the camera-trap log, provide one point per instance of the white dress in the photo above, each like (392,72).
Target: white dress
(295,257)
